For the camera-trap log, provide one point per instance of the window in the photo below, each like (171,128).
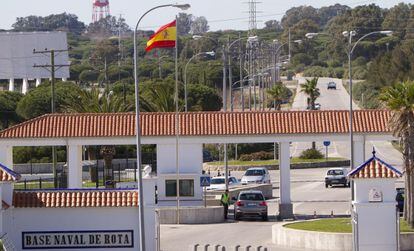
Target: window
(335,172)
(251,196)
(186,188)
(255,172)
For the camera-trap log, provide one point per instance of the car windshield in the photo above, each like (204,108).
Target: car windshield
(217,181)
(254,172)
(251,196)
(335,172)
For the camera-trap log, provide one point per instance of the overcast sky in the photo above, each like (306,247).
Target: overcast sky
(221,14)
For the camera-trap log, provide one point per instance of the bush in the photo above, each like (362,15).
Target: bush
(257,156)
(311,154)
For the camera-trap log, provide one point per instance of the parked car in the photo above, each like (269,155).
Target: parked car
(337,176)
(400,199)
(250,203)
(332,85)
(218,183)
(256,175)
(207,157)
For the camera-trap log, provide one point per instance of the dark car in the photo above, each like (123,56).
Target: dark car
(332,85)
(207,157)
(400,199)
(250,203)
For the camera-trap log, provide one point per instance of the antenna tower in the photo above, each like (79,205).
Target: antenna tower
(100,10)
(252,17)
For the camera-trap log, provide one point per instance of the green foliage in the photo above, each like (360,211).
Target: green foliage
(64,21)
(28,154)
(311,154)
(262,155)
(8,105)
(310,88)
(38,101)
(279,94)
(203,98)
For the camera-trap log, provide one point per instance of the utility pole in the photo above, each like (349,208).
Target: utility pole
(120,58)
(52,67)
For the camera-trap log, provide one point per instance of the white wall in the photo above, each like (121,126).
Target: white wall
(78,219)
(6,155)
(386,186)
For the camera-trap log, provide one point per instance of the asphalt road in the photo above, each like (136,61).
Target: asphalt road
(339,100)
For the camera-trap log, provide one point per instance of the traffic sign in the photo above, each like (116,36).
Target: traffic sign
(326,143)
(205,181)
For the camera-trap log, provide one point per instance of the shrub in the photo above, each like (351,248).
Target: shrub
(311,154)
(262,155)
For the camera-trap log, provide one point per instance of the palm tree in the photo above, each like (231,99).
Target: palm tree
(400,99)
(93,101)
(310,88)
(160,98)
(278,93)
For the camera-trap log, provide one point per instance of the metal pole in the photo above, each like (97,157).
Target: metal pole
(230,77)
(138,135)
(351,133)
(224,80)
(241,74)
(54,157)
(177,130)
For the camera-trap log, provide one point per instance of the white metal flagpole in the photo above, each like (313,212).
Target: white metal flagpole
(177,125)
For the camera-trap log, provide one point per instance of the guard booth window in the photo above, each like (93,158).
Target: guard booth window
(186,188)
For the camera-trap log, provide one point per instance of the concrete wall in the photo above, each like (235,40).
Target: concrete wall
(300,239)
(79,219)
(192,215)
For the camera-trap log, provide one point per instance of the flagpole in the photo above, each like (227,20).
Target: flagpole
(177,124)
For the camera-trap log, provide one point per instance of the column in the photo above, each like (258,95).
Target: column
(285,203)
(74,166)
(6,156)
(38,81)
(64,79)
(25,85)
(359,152)
(11,85)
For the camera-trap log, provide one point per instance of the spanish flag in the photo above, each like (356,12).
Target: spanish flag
(164,37)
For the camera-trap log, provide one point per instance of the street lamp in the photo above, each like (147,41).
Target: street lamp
(350,51)
(210,53)
(137,125)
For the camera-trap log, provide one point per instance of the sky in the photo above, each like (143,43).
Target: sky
(221,14)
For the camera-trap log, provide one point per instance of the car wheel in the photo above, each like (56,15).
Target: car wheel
(236,216)
(326,185)
(265,217)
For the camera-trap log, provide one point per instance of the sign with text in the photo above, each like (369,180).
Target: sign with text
(78,239)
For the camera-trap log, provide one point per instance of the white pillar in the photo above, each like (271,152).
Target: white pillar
(11,85)
(285,203)
(6,156)
(38,81)
(74,166)
(359,152)
(64,79)
(25,85)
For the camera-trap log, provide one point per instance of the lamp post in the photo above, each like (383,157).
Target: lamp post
(351,47)
(210,53)
(137,125)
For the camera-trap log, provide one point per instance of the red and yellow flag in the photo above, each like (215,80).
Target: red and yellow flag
(164,37)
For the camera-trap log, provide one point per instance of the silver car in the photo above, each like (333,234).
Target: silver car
(258,175)
(250,203)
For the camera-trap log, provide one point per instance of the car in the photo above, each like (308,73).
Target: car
(256,175)
(317,107)
(400,199)
(332,85)
(250,204)
(218,183)
(337,176)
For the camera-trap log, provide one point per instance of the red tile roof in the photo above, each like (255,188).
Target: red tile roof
(75,198)
(7,175)
(375,168)
(199,124)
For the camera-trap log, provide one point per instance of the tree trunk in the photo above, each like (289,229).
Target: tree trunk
(409,194)
(91,150)
(108,153)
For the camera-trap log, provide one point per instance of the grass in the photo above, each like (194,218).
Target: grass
(50,185)
(270,162)
(335,225)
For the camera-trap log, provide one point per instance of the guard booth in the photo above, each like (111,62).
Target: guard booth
(375,218)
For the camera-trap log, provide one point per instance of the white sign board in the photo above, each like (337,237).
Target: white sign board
(17,58)
(78,239)
(375,195)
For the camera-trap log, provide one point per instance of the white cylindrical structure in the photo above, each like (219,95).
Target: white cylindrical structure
(285,203)
(38,81)
(74,166)
(11,85)
(25,85)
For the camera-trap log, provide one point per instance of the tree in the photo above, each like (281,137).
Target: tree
(64,22)
(199,25)
(273,25)
(8,105)
(310,88)
(397,19)
(184,22)
(108,26)
(297,14)
(327,13)
(203,98)
(85,101)
(158,96)
(400,99)
(278,94)
(38,101)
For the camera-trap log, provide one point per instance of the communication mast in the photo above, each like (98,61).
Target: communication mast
(100,10)
(252,17)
